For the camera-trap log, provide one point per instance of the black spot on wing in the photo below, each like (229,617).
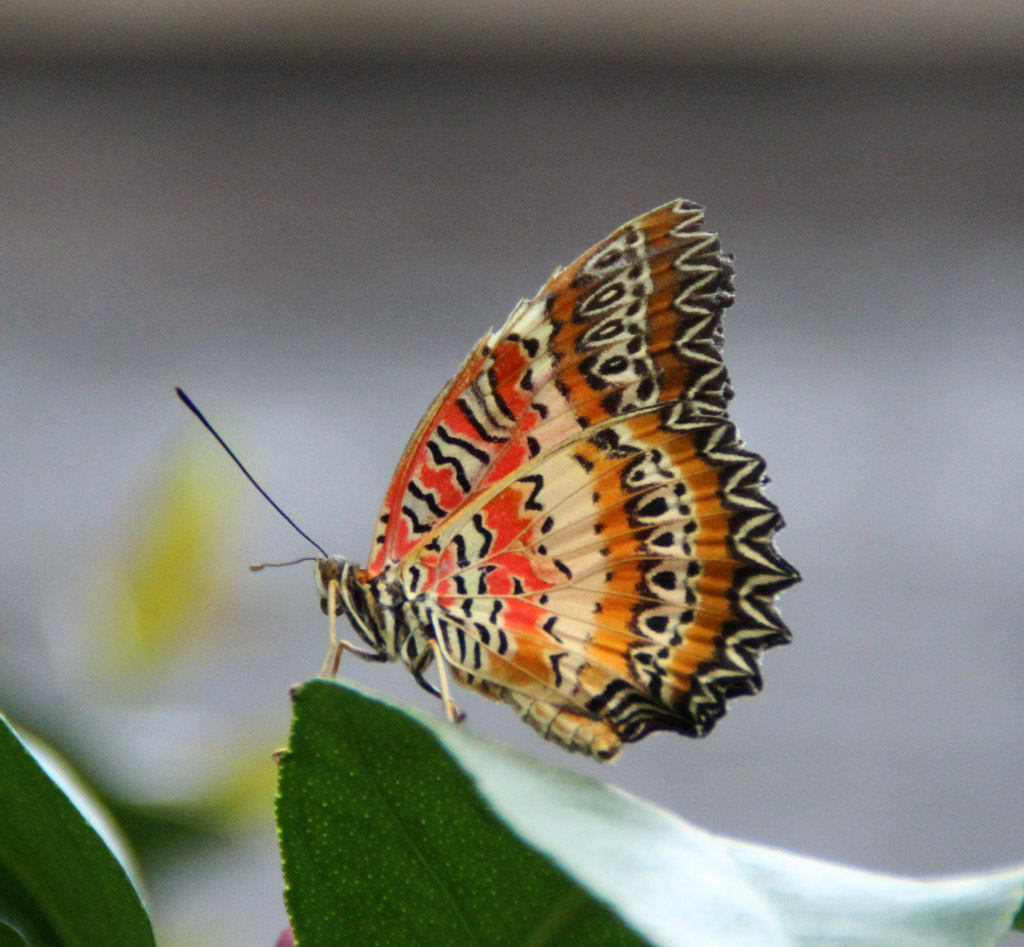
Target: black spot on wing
(471,419)
(462,444)
(442,459)
(459,543)
(414,522)
(485,534)
(531,501)
(555,660)
(425,496)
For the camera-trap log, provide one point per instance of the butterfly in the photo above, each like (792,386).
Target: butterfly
(575,527)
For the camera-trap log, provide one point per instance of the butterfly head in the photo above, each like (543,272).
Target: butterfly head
(333,569)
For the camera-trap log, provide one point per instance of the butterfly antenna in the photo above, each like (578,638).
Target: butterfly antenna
(279,565)
(220,440)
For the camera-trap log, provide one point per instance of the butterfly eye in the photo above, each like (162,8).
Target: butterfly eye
(338,608)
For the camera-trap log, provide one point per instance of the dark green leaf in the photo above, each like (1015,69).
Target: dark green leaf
(19,910)
(61,883)
(9,937)
(386,813)
(385,840)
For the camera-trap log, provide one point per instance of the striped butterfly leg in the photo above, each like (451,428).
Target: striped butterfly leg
(452,712)
(336,647)
(573,731)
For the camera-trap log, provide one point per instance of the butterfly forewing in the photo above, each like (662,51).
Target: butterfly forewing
(575,519)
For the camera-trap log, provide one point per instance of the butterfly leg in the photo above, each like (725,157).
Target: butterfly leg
(336,647)
(334,652)
(333,658)
(454,714)
(417,676)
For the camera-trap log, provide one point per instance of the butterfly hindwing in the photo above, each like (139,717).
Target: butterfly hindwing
(648,565)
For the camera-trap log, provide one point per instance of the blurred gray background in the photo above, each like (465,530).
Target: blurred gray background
(306,216)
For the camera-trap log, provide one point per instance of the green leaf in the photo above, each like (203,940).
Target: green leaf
(672,882)
(9,937)
(678,884)
(21,914)
(386,841)
(59,883)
